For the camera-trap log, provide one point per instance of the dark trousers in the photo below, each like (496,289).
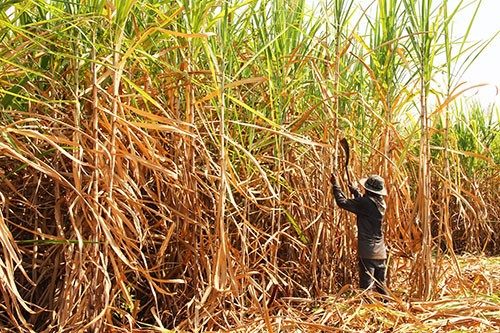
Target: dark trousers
(372,271)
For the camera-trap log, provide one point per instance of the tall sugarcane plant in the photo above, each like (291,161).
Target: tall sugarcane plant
(422,30)
(166,164)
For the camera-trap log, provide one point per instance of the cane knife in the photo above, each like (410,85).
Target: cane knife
(345,146)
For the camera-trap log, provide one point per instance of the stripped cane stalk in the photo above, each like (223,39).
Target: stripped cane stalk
(220,277)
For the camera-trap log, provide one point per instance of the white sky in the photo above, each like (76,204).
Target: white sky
(486,68)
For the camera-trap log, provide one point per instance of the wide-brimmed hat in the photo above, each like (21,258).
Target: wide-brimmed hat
(374,184)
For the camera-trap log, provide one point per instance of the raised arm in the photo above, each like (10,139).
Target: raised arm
(352,205)
(355,191)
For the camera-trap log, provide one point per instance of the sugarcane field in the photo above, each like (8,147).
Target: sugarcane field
(249,166)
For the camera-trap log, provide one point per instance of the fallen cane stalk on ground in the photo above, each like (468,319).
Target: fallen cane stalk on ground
(166,165)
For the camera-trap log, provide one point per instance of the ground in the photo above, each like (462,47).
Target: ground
(469,304)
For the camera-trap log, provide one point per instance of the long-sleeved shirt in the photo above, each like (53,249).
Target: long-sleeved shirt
(369,210)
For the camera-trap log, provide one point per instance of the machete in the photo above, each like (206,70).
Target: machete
(345,146)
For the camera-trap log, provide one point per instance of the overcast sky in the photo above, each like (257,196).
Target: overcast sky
(486,68)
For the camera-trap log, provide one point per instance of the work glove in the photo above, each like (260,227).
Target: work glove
(333,179)
(353,188)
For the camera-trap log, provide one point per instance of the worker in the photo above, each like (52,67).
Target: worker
(370,210)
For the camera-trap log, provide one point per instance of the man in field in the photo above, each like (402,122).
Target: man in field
(369,209)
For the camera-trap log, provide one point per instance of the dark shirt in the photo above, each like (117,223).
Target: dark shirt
(369,210)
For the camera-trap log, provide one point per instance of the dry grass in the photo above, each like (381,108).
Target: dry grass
(468,304)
